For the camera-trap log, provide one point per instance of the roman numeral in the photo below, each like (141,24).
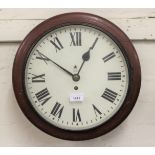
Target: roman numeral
(57,110)
(109,56)
(114,76)
(76,115)
(42,57)
(43,96)
(109,95)
(38,78)
(96,110)
(75,39)
(57,44)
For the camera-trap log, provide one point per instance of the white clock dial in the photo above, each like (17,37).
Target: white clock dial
(76,77)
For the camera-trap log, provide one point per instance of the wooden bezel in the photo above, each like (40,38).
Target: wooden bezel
(101,24)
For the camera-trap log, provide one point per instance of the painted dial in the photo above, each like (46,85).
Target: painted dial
(76,77)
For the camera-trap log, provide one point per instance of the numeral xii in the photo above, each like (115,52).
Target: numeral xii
(75,38)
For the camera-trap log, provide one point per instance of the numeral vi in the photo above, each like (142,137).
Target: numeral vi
(76,115)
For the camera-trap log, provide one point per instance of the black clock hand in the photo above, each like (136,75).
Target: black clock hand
(86,55)
(45,58)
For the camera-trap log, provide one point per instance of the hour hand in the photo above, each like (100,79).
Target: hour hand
(86,55)
(45,59)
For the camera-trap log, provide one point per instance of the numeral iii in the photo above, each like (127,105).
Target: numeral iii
(114,76)
(38,78)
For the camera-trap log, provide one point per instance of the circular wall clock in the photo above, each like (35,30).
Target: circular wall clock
(76,76)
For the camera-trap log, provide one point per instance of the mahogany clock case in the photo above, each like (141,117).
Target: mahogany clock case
(106,27)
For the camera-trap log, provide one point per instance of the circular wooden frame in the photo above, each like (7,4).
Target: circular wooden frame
(72,19)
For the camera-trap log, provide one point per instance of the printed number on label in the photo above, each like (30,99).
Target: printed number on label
(78,97)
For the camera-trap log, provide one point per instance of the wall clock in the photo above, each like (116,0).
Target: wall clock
(76,76)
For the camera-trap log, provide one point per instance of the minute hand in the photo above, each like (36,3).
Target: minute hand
(43,57)
(86,55)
